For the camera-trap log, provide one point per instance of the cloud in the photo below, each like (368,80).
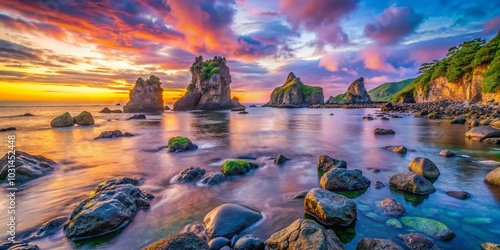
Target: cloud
(393,24)
(330,62)
(492,25)
(375,59)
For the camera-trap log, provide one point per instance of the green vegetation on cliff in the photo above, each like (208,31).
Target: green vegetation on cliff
(459,64)
(386,91)
(209,67)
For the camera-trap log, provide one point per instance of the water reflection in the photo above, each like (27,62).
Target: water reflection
(211,125)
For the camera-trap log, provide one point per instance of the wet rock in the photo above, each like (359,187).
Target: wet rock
(253,106)
(7,129)
(447,153)
(190,174)
(381,131)
(84,119)
(238,109)
(397,149)
(237,167)
(462,195)
(110,206)
(493,140)
(424,167)
(117,111)
(477,220)
(378,184)
(230,219)
(327,163)
(384,118)
(243,112)
(390,206)
(146,96)
(490,246)
(280,159)
(28,167)
(218,242)
(330,208)
(481,133)
(493,177)
(105,110)
(387,107)
(300,195)
(474,123)
(344,180)
(394,223)
(198,229)
(411,182)
(249,242)
(377,244)
(369,118)
(417,241)
(304,234)
(433,115)
(459,120)
(27,114)
(18,246)
(50,227)
(213,179)
(167,108)
(180,144)
(485,122)
(113,134)
(137,117)
(186,241)
(64,120)
(430,227)
(375,217)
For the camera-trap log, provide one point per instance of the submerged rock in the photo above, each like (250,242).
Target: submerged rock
(113,134)
(180,144)
(493,177)
(378,184)
(27,166)
(64,120)
(493,140)
(146,96)
(447,153)
(327,163)
(377,244)
(430,227)
(137,117)
(84,119)
(344,180)
(417,241)
(237,167)
(18,246)
(304,234)
(330,208)
(190,174)
(411,182)
(186,241)
(110,206)
(280,159)
(7,129)
(481,133)
(294,93)
(213,179)
(424,167)
(394,223)
(490,246)
(249,242)
(390,206)
(462,195)
(230,219)
(397,149)
(381,131)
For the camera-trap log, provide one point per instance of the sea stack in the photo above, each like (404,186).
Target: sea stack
(146,96)
(294,93)
(209,88)
(356,93)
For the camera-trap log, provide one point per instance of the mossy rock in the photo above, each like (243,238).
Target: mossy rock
(433,228)
(394,223)
(64,120)
(84,119)
(180,144)
(237,167)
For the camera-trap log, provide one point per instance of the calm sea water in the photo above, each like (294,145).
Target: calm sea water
(300,134)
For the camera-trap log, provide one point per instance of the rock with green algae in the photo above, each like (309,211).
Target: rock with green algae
(237,167)
(490,246)
(477,220)
(394,223)
(375,217)
(64,120)
(180,144)
(433,228)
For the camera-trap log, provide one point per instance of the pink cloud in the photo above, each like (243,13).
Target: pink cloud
(492,25)
(374,59)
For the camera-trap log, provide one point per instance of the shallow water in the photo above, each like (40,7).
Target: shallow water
(300,134)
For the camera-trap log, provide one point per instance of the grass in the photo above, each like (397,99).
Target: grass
(386,91)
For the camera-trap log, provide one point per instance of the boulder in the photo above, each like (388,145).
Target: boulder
(84,119)
(105,110)
(213,179)
(110,206)
(304,234)
(327,163)
(390,206)
(230,219)
(218,243)
(190,174)
(429,227)
(462,195)
(417,241)
(186,241)
(490,246)
(424,167)
(198,229)
(27,166)
(344,180)
(387,107)
(459,120)
(113,134)
(481,133)
(146,96)
(378,184)
(248,242)
(330,208)
(280,159)
(377,244)
(64,120)
(180,144)
(294,93)
(493,177)
(237,167)
(447,153)
(398,149)
(411,182)
(381,131)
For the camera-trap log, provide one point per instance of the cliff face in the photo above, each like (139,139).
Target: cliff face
(209,88)
(470,90)
(146,96)
(294,93)
(356,93)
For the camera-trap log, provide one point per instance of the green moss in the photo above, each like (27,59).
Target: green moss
(207,68)
(386,91)
(237,167)
(424,225)
(179,142)
(310,90)
(340,98)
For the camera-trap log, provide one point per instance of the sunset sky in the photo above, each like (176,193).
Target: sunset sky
(95,50)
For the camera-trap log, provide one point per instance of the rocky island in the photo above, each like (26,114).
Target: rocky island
(294,93)
(356,93)
(146,96)
(209,88)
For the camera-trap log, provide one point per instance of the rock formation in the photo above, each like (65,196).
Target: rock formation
(294,93)
(356,93)
(146,96)
(209,88)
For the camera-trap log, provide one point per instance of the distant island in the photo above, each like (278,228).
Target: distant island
(294,93)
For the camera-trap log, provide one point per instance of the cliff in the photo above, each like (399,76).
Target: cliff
(146,96)
(356,93)
(209,88)
(294,93)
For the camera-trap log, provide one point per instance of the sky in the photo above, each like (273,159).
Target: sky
(95,50)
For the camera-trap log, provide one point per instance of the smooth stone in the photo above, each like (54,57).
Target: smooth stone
(481,133)
(493,177)
(197,229)
(248,242)
(394,223)
(180,144)
(84,119)
(447,153)
(397,149)
(218,242)
(344,180)
(381,131)
(64,120)
(377,244)
(28,167)
(390,206)
(190,174)
(462,195)
(490,246)
(185,241)
(327,163)
(411,182)
(424,167)
(433,228)
(378,184)
(417,241)
(330,208)
(212,179)
(230,219)
(237,167)
(304,234)
(113,134)
(280,159)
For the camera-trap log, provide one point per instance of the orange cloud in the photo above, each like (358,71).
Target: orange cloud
(374,59)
